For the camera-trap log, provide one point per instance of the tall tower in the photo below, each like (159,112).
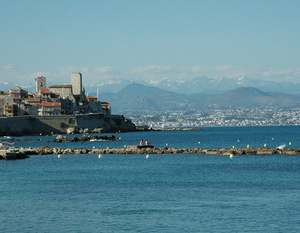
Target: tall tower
(77,88)
(76,81)
(40,82)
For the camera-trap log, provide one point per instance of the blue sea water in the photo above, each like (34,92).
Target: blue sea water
(165,193)
(208,137)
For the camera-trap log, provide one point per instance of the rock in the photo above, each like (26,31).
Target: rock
(97,130)
(86,130)
(75,139)
(60,138)
(71,130)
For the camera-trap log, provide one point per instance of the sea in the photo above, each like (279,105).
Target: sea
(160,193)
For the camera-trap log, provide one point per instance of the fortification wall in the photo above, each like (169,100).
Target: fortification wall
(111,123)
(15,126)
(90,121)
(52,124)
(60,124)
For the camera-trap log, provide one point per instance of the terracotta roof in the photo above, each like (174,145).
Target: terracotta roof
(47,104)
(105,105)
(61,86)
(45,91)
(91,97)
(33,100)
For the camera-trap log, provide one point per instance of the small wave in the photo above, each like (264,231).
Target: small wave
(280,147)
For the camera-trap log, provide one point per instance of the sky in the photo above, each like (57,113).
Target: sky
(149,39)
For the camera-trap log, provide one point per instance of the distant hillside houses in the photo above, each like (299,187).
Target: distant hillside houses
(53,100)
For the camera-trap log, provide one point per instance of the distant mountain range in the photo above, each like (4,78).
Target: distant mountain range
(132,96)
(198,85)
(203,85)
(138,98)
(7,85)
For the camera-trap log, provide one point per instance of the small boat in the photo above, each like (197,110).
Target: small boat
(145,146)
(10,153)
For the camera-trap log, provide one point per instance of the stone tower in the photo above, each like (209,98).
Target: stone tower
(40,82)
(77,88)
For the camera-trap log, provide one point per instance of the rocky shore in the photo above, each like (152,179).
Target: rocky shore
(162,150)
(85,138)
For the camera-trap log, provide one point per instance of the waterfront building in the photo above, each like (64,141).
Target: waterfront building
(45,93)
(18,92)
(91,99)
(10,110)
(64,91)
(6,99)
(49,109)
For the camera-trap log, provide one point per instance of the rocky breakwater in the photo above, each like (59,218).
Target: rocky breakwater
(85,138)
(163,150)
(14,153)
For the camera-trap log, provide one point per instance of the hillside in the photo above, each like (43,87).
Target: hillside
(250,97)
(138,98)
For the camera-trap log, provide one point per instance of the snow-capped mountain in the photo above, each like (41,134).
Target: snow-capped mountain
(7,85)
(202,84)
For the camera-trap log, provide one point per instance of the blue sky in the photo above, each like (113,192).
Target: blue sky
(139,39)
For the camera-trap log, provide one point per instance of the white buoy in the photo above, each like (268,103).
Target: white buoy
(248,146)
(147,156)
(265,145)
(238,140)
(231,156)
(100,156)
(199,142)
(290,143)
(167,144)
(59,156)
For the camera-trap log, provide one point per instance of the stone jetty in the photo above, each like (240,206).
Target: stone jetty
(159,150)
(85,138)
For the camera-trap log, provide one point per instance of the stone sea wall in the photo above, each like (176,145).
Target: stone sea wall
(15,126)
(45,150)
(161,150)
(30,125)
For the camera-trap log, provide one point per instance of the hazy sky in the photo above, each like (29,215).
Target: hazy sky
(149,39)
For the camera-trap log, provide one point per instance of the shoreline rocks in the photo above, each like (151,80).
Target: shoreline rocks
(162,150)
(85,138)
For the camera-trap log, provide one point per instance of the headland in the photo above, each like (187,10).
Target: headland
(57,109)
